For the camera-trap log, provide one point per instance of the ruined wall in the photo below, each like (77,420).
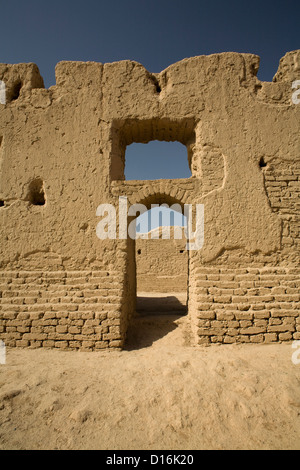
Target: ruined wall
(162,264)
(246,304)
(62,153)
(73,309)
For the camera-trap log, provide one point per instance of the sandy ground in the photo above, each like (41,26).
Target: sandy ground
(159,393)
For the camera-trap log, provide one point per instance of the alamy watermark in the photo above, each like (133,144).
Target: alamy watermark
(2,353)
(107,227)
(2,92)
(296,354)
(296,94)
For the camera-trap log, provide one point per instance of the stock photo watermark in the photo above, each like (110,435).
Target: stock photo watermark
(107,227)
(2,92)
(296,94)
(2,353)
(296,354)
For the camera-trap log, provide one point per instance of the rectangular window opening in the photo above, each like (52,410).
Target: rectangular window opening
(151,149)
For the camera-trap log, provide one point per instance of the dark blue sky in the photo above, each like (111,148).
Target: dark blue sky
(155,33)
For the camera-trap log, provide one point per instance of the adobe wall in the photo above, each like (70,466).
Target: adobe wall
(62,153)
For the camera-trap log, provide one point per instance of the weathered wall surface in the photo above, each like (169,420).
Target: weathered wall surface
(254,304)
(162,263)
(73,309)
(62,153)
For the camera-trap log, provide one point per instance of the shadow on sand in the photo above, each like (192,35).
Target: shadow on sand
(154,319)
(159,305)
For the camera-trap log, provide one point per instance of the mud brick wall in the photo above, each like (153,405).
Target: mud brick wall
(63,153)
(282,184)
(75,309)
(246,304)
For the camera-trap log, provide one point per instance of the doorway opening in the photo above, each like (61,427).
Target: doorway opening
(161,270)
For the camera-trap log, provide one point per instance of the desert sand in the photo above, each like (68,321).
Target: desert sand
(159,393)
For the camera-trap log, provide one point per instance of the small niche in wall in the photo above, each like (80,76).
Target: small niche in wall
(2,203)
(15,91)
(262,163)
(36,193)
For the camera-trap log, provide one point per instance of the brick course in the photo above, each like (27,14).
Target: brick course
(60,309)
(263,314)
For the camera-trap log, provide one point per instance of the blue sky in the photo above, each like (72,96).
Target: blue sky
(156,160)
(156,33)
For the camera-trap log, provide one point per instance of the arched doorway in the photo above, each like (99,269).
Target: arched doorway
(158,270)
